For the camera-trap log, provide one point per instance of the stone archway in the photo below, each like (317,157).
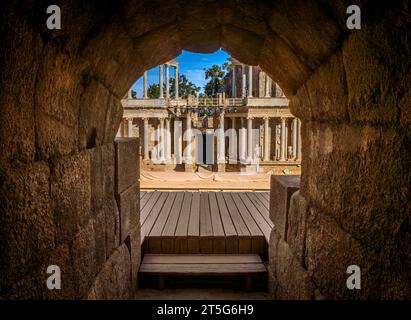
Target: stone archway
(60,102)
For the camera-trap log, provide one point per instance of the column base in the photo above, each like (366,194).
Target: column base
(189,167)
(221,167)
(251,168)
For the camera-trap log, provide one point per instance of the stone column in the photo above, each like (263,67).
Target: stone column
(243,81)
(188,159)
(267,86)
(162,140)
(145,88)
(266,140)
(168,141)
(160,76)
(176,82)
(129,95)
(298,158)
(294,133)
(250,82)
(242,144)
(234,84)
(178,141)
(129,127)
(167,82)
(146,157)
(221,140)
(249,139)
(232,147)
(283,140)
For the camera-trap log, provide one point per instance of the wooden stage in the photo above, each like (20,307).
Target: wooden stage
(205,222)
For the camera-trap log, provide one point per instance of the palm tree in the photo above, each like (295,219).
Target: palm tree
(216,76)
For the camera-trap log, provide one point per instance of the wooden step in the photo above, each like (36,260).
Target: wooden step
(163,265)
(205,223)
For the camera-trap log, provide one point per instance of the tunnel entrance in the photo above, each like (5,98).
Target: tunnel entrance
(65,200)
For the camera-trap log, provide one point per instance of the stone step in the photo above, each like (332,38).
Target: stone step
(191,265)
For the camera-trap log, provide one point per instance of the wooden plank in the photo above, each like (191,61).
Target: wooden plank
(231,236)
(144,199)
(153,214)
(266,195)
(180,241)
(262,209)
(217,225)
(244,240)
(257,237)
(206,227)
(201,258)
(229,269)
(257,216)
(263,200)
(218,230)
(193,234)
(167,236)
(154,237)
(145,212)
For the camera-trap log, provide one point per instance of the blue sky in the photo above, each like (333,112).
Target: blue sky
(191,64)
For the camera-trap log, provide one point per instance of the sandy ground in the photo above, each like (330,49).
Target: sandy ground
(192,181)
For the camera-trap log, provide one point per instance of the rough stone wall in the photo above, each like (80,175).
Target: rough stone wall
(356,128)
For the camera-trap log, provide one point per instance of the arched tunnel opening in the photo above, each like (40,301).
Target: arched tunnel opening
(64,181)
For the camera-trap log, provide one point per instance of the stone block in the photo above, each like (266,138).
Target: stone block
(55,137)
(83,256)
(277,57)
(329,251)
(134,245)
(289,280)
(298,23)
(375,69)
(27,230)
(324,96)
(21,52)
(71,193)
(350,186)
(99,225)
(112,226)
(296,230)
(243,42)
(281,189)
(101,175)
(158,45)
(113,118)
(129,208)
(91,132)
(114,280)
(126,163)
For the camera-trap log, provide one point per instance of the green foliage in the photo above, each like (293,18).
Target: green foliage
(216,76)
(185,88)
(153,91)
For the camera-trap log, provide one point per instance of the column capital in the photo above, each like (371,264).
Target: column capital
(250,118)
(266,117)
